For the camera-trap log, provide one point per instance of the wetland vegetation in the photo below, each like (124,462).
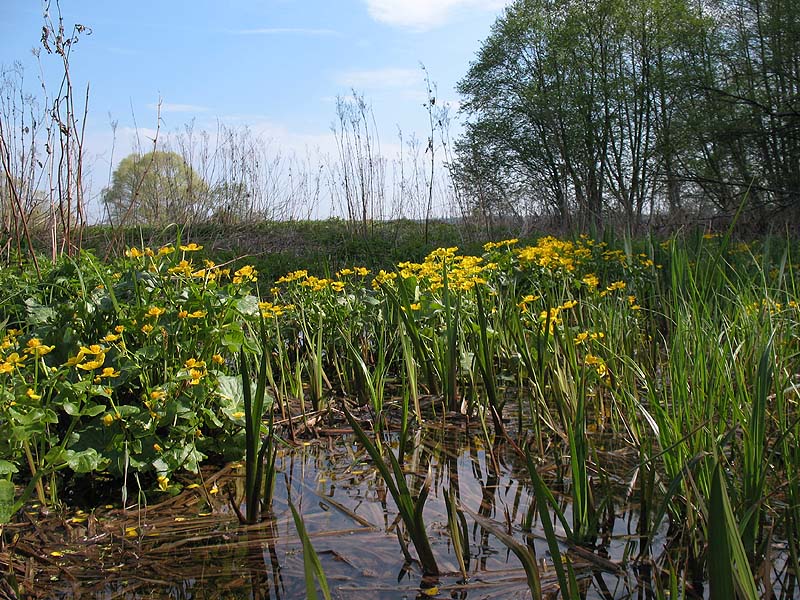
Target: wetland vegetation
(608,418)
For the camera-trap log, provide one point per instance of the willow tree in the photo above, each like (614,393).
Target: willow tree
(156,188)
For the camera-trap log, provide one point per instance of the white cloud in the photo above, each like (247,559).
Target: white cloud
(421,15)
(372,79)
(168,107)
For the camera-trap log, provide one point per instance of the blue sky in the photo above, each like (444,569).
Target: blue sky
(275,65)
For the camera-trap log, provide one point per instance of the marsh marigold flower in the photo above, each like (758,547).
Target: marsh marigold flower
(155,311)
(245,274)
(35,348)
(98,361)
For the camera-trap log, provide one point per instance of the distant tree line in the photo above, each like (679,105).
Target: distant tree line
(634,109)
(236,176)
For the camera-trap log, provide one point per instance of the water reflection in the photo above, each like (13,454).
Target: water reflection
(193,546)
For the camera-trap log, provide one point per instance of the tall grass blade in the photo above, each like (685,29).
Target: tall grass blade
(754,447)
(728,569)
(312,567)
(521,551)
(255,447)
(459,534)
(545,501)
(410,509)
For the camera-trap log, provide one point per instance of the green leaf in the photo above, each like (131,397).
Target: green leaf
(7,467)
(38,313)
(522,552)
(94,410)
(247,306)
(85,461)
(230,387)
(727,561)
(233,339)
(7,493)
(73,409)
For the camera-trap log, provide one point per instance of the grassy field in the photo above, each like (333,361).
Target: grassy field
(680,354)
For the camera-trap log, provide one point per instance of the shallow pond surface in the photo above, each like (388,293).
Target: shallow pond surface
(192,545)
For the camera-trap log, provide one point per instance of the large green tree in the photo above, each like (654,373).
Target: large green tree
(748,122)
(633,107)
(156,188)
(575,102)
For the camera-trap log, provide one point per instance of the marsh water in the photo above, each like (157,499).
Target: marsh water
(193,546)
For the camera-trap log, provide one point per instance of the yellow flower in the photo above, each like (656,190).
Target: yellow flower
(155,311)
(191,247)
(598,364)
(183,314)
(119,328)
(108,420)
(74,360)
(164,250)
(109,372)
(591,280)
(32,395)
(184,267)
(111,337)
(217,358)
(383,277)
(523,304)
(568,304)
(147,328)
(270,310)
(492,245)
(36,348)
(198,314)
(93,364)
(134,253)
(549,318)
(617,285)
(157,448)
(163,482)
(293,276)
(15,359)
(245,274)
(194,363)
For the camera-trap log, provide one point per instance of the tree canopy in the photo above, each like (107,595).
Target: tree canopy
(156,188)
(634,107)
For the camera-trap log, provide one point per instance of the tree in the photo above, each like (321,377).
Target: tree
(156,188)
(751,114)
(636,107)
(577,101)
